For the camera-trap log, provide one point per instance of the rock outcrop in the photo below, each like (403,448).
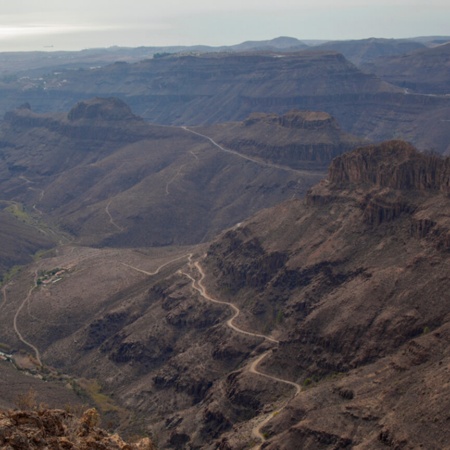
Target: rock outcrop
(101,109)
(59,429)
(394,165)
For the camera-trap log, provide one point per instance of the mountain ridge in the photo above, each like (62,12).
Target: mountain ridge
(193,90)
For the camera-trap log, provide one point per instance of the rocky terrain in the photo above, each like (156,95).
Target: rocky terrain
(15,65)
(44,428)
(103,175)
(318,323)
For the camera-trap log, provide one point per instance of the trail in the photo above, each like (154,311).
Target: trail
(41,196)
(201,289)
(173,179)
(249,158)
(16,329)
(188,255)
(41,192)
(111,220)
(3,303)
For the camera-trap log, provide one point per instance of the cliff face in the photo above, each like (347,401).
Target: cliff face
(101,109)
(394,165)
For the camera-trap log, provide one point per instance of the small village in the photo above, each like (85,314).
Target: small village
(48,277)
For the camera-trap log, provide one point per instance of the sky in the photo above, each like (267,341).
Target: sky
(58,25)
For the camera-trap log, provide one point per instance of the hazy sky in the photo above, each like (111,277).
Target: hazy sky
(60,25)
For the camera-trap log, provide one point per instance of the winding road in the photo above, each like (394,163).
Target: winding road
(27,298)
(253,368)
(198,286)
(16,316)
(249,158)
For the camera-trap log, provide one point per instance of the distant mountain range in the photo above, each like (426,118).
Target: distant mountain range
(382,101)
(362,50)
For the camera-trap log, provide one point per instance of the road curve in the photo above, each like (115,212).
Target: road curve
(256,431)
(158,269)
(199,287)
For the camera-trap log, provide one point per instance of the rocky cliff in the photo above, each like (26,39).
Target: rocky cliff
(58,429)
(358,298)
(374,166)
(425,71)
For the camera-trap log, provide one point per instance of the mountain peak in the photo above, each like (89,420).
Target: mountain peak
(101,108)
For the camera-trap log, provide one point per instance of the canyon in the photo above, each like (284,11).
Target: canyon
(227,250)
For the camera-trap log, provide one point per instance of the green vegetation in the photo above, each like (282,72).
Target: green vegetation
(314,379)
(7,276)
(17,210)
(279,317)
(5,347)
(93,389)
(40,254)
(307,382)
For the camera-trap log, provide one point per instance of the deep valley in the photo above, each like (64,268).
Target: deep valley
(230,250)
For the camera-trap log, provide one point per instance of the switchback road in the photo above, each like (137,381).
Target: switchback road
(253,368)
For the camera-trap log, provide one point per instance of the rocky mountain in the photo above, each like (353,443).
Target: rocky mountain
(319,323)
(282,43)
(213,88)
(424,71)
